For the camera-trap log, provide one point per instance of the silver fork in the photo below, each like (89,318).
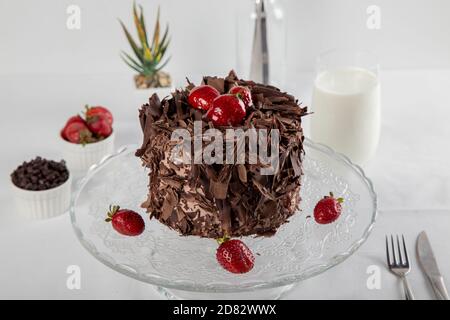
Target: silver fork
(399,264)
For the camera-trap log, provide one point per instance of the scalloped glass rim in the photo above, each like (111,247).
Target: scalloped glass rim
(221,287)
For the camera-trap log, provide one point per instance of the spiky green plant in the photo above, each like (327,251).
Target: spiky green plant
(149,56)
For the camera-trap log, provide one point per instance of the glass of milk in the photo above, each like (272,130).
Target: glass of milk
(346,104)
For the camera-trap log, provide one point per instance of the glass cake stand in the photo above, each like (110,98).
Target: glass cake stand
(185,267)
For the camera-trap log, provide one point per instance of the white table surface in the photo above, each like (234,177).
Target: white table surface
(410,171)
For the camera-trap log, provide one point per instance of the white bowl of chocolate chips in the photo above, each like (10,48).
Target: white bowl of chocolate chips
(41,188)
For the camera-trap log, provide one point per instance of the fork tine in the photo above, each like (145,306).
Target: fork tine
(387,252)
(399,252)
(393,250)
(406,252)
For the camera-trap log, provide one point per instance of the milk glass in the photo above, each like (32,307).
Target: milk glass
(346,104)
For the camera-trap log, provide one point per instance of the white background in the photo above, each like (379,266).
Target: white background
(48,73)
(34,37)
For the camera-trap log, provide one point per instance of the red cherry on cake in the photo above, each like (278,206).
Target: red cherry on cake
(77,132)
(226,110)
(234,256)
(98,112)
(242,93)
(126,222)
(328,209)
(202,97)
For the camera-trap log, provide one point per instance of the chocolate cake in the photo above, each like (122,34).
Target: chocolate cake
(220,200)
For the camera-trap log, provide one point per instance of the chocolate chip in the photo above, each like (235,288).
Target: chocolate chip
(40,174)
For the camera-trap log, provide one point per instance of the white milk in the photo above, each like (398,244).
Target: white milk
(346,106)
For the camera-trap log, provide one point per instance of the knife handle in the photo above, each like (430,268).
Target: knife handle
(440,289)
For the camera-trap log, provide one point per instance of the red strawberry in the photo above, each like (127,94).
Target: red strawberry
(328,209)
(98,112)
(100,127)
(76,118)
(202,97)
(99,120)
(126,222)
(71,120)
(77,132)
(244,94)
(235,256)
(227,109)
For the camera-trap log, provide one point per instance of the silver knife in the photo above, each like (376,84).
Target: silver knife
(430,267)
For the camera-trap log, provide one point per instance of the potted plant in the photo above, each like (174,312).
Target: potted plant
(149,56)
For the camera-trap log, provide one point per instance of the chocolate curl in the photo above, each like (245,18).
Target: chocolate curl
(296,163)
(219,187)
(170,202)
(242,173)
(215,82)
(225,216)
(155,106)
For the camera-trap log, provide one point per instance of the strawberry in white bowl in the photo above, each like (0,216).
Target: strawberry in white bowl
(87,139)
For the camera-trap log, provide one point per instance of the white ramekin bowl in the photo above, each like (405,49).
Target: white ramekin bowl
(80,158)
(43,204)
